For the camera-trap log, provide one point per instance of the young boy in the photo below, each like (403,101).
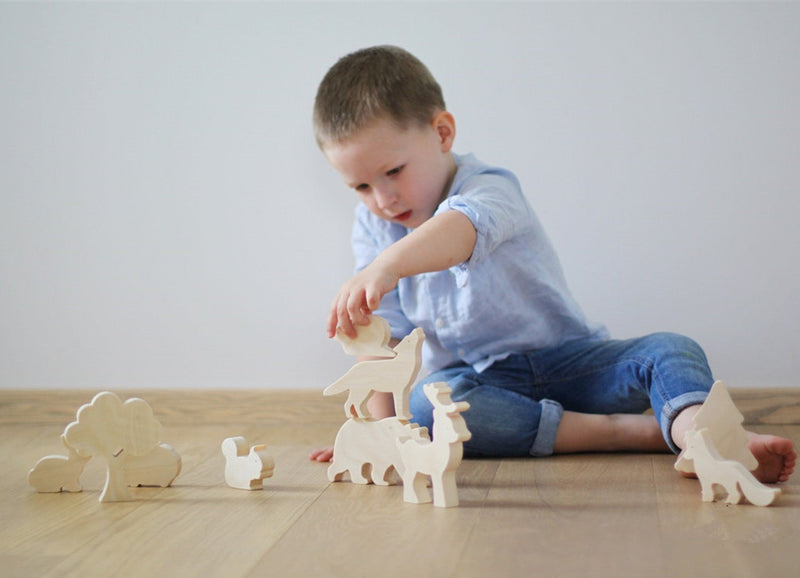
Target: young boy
(450,244)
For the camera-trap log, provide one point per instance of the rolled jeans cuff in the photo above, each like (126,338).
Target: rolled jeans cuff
(548,426)
(671,410)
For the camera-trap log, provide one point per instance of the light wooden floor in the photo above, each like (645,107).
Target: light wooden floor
(586,515)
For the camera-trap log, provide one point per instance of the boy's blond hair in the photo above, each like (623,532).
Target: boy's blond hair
(373,83)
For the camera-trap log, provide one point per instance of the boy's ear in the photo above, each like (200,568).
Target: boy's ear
(445,126)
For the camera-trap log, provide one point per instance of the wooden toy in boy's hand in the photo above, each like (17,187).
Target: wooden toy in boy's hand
(371,340)
(246,466)
(395,376)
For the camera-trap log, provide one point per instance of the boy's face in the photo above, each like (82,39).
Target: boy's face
(400,175)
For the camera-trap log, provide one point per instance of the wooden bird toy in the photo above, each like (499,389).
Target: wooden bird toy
(246,466)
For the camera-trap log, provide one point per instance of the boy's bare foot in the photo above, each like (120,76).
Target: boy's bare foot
(776,457)
(322,455)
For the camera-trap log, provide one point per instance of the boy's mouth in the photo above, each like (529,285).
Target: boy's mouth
(403,216)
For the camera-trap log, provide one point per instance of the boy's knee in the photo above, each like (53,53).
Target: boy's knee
(675,343)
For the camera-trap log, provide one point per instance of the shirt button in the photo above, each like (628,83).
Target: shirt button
(461,352)
(440,323)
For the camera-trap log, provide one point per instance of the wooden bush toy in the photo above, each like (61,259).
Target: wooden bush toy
(715,471)
(246,466)
(125,435)
(439,459)
(723,420)
(395,376)
(366,449)
(58,473)
(371,340)
(159,468)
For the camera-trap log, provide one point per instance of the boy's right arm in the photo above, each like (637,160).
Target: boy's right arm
(443,241)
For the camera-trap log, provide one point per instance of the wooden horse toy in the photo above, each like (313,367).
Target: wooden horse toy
(439,458)
(395,376)
(246,466)
(713,470)
(367,450)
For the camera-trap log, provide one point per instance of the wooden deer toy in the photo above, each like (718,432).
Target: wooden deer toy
(439,458)
(245,466)
(367,450)
(713,470)
(395,376)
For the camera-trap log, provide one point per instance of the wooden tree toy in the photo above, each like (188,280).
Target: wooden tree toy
(439,458)
(715,471)
(395,376)
(371,340)
(115,431)
(58,473)
(246,466)
(366,449)
(719,416)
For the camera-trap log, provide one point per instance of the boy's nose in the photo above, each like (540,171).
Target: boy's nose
(385,198)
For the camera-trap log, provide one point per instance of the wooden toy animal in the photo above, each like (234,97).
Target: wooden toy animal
(724,423)
(395,376)
(367,450)
(439,458)
(58,473)
(732,476)
(371,340)
(158,468)
(246,466)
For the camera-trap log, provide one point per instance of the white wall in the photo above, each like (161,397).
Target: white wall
(166,219)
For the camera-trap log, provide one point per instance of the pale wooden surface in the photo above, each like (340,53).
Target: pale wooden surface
(586,515)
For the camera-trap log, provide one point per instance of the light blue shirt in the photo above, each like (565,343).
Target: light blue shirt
(509,297)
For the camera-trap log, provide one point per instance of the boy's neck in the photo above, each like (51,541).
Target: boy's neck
(452,169)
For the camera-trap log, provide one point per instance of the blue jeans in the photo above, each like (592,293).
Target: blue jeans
(517,403)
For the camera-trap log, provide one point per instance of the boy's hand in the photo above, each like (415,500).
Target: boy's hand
(359,297)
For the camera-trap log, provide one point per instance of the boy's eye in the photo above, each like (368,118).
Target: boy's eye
(394,171)
(362,188)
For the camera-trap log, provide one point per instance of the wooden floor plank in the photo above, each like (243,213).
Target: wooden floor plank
(367,530)
(563,515)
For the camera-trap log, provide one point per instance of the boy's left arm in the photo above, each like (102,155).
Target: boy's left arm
(443,241)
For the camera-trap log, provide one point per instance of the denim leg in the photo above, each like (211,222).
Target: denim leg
(504,418)
(665,371)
